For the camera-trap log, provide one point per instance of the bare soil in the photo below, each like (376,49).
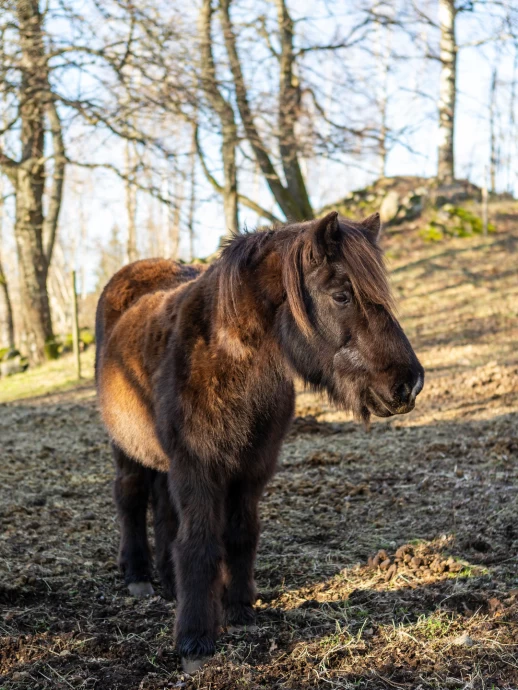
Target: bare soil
(388,559)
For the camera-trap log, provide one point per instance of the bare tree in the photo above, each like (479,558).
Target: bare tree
(383,53)
(192,196)
(225,113)
(292,199)
(35,230)
(289,103)
(447,90)
(131,204)
(493,155)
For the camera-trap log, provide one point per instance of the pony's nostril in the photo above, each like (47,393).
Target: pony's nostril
(404,393)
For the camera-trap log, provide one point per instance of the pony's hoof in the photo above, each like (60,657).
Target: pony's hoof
(240,616)
(168,592)
(192,665)
(141,589)
(195,649)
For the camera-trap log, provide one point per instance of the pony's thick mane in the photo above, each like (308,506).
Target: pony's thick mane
(362,260)
(239,252)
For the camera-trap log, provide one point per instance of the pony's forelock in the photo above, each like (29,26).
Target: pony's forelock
(364,265)
(366,269)
(294,262)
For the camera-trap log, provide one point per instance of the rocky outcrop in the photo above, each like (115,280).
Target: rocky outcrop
(402,199)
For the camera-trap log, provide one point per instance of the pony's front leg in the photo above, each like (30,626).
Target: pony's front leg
(240,539)
(198,560)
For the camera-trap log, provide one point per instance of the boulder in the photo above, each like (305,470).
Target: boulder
(14,365)
(389,206)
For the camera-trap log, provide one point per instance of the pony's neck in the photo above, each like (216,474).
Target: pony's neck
(246,310)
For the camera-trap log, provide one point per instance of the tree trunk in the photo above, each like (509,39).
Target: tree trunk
(225,113)
(192,198)
(383,54)
(32,262)
(131,207)
(287,203)
(29,182)
(447,91)
(8,308)
(3,279)
(493,156)
(289,99)
(174,181)
(50,223)
(228,152)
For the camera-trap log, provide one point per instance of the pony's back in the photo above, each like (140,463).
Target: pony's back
(129,284)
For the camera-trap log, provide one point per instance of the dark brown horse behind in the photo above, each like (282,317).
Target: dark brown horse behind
(194,376)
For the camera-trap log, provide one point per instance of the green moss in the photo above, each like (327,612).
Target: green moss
(464,223)
(433,232)
(453,221)
(8,353)
(51,349)
(86,337)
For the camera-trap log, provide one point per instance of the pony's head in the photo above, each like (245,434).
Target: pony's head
(336,324)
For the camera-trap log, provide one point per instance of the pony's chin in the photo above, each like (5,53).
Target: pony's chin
(377,406)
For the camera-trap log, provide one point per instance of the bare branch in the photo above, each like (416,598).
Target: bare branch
(246,201)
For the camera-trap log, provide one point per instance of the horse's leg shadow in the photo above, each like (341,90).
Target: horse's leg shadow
(166,526)
(131,492)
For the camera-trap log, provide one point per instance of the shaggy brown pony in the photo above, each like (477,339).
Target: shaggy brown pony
(195,381)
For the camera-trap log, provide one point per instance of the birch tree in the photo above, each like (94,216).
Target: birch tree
(447,90)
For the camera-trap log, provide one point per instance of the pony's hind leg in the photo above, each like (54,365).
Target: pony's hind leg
(166,525)
(131,492)
(240,538)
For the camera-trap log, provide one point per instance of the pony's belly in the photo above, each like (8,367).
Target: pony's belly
(129,421)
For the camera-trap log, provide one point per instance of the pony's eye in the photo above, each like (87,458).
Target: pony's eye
(341,297)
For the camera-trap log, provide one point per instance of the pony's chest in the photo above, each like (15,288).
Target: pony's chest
(233,413)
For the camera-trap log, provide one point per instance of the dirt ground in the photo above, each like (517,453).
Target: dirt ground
(388,559)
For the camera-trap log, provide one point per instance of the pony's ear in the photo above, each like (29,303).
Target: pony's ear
(326,236)
(371,227)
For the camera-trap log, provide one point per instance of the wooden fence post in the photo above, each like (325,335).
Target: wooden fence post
(485,213)
(75,326)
